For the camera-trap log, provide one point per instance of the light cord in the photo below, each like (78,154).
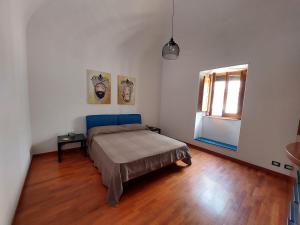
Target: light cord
(173,20)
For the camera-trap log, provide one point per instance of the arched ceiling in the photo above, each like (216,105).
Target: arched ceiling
(112,10)
(138,23)
(30,7)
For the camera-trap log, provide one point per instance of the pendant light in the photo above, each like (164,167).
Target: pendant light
(171,49)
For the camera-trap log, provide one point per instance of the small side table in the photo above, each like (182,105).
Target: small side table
(65,139)
(154,129)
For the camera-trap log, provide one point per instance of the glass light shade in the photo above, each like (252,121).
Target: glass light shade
(170,50)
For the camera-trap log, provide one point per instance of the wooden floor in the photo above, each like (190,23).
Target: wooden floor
(213,191)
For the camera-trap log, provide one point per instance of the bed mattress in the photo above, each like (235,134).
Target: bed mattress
(124,155)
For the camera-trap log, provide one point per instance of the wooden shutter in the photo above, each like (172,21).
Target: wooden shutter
(211,92)
(200,94)
(242,92)
(204,94)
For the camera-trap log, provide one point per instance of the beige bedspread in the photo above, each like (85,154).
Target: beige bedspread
(122,155)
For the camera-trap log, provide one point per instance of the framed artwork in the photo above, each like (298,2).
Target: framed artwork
(99,87)
(126,90)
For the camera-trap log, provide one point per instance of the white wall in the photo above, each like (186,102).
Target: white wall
(223,130)
(15,135)
(213,34)
(198,124)
(69,36)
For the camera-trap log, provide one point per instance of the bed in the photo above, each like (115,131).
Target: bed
(123,149)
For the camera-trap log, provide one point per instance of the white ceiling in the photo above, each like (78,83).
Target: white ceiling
(111,9)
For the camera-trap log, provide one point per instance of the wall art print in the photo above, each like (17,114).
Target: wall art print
(126,90)
(99,87)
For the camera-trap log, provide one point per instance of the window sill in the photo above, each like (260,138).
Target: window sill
(222,118)
(217,143)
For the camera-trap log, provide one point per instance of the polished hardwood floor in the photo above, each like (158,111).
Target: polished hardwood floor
(213,191)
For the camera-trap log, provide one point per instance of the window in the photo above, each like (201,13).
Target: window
(222,94)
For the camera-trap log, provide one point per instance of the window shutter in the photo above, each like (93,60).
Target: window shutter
(242,91)
(200,94)
(204,94)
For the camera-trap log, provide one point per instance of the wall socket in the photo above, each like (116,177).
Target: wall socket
(288,167)
(275,163)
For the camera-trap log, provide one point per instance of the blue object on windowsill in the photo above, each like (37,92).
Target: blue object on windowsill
(217,143)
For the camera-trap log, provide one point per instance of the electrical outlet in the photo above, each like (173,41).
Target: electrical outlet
(288,167)
(275,163)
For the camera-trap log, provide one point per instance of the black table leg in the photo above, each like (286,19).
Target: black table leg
(83,145)
(59,152)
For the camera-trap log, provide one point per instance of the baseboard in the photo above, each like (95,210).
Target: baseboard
(27,172)
(274,173)
(65,147)
(54,152)
(291,179)
(22,188)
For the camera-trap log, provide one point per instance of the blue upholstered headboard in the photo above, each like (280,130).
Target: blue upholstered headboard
(114,119)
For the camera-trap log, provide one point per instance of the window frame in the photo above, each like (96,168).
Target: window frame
(212,80)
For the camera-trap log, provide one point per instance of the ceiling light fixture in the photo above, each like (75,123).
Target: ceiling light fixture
(171,49)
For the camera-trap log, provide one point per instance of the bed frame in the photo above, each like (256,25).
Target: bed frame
(115,173)
(112,119)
